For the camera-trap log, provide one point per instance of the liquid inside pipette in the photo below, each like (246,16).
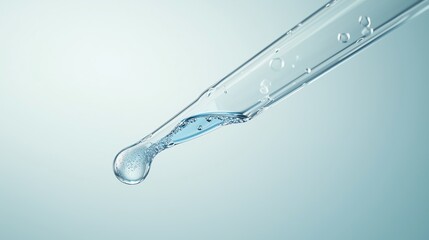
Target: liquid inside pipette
(328,37)
(132,164)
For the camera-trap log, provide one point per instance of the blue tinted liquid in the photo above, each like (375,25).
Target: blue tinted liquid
(132,164)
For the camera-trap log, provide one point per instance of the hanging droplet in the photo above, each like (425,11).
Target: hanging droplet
(132,164)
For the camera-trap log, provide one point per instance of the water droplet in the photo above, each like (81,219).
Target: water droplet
(343,37)
(308,70)
(132,164)
(276,64)
(364,21)
(200,128)
(208,119)
(367,31)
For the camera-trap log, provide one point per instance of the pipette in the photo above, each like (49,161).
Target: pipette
(332,34)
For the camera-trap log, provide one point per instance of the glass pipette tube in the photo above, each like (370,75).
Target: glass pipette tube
(332,34)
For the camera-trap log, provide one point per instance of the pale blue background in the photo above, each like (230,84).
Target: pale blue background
(345,158)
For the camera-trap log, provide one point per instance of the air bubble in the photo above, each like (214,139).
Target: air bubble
(367,31)
(343,37)
(308,70)
(265,82)
(200,128)
(365,21)
(276,64)
(225,90)
(264,86)
(263,90)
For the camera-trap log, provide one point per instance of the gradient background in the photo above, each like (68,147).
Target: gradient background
(345,158)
